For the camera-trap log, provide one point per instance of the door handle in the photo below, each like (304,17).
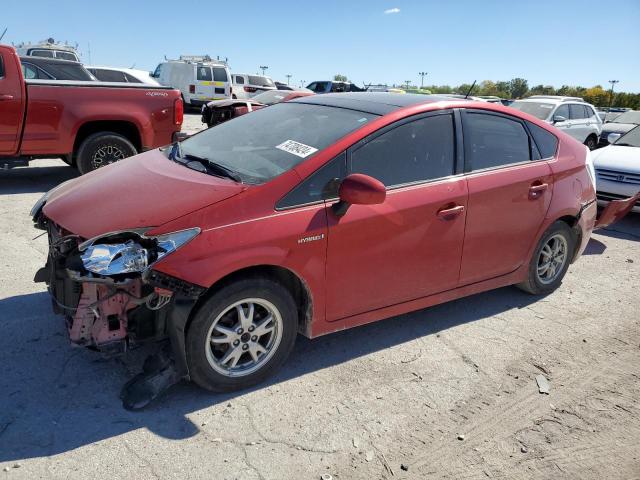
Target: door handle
(6,97)
(537,189)
(449,213)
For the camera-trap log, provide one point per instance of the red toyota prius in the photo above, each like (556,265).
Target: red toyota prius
(309,217)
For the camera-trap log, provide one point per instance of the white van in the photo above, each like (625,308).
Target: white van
(199,79)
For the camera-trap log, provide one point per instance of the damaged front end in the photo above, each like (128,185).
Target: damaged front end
(111,299)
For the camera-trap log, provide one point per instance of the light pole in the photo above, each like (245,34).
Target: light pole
(407,83)
(613,83)
(288,78)
(263,68)
(422,75)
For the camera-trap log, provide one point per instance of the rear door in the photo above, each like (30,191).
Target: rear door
(409,246)
(221,82)
(11,102)
(204,87)
(510,190)
(578,119)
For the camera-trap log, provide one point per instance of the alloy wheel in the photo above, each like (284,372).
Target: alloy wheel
(106,155)
(244,337)
(552,259)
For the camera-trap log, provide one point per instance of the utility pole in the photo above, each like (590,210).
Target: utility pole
(422,75)
(302,83)
(407,83)
(263,68)
(613,83)
(288,78)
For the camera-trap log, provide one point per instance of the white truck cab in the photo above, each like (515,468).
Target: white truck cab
(48,49)
(199,78)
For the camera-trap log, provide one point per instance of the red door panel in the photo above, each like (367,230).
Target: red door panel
(505,211)
(11,102)
(402,249)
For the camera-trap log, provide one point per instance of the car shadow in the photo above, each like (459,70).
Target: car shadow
(626,229)
(594,247)
(35,178)
(56,398)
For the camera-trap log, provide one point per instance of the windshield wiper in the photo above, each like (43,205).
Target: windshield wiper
(211,167)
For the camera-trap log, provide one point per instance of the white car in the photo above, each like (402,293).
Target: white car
(618,168)
(247,86)
(123,75)
(572,115)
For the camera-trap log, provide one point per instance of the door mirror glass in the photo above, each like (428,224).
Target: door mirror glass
(559,119)
(613,137)
(359,189)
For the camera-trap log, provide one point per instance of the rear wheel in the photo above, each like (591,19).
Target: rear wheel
(550,260)
(103,148)
(591,142)
(241,335)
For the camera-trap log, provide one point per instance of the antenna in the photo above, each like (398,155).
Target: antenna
(5,31)
(470,90)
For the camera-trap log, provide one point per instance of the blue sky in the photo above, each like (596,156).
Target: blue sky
(551,42)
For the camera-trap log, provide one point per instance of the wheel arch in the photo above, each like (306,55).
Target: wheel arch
(286,277)
(572,223)
(122,127)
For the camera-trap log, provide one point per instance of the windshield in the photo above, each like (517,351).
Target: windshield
(537,109)
(271,141)
(271,97)
(260,81)
(629,139)
(628,117)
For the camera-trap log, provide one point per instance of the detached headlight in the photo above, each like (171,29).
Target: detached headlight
(130,252)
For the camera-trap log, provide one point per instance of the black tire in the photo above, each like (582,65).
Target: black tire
(534,284)
(198,334)
(102,148)
(591,142)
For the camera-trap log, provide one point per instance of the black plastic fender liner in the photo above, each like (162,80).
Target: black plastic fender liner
(181,308)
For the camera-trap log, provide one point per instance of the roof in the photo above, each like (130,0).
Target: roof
(379,103)
(47,61)
(554,98)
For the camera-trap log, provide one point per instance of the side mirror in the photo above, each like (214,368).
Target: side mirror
(359,189)
(613,137)
(559,119)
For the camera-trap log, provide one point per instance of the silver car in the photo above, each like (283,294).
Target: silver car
(571,114)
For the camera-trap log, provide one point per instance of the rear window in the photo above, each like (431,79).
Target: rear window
(546,142)
(239,80)
(132,79)
(270,97)
(540,110)
(42,53)
(260,81)
(220,74)
(204,74)
(108,75)
(68,71)
(66,56)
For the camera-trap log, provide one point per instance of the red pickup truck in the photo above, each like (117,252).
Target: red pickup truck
(87,124)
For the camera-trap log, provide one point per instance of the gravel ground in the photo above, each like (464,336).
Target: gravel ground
(447,392)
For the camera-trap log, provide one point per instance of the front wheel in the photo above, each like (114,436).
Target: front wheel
(550,260)
(103,148)
(241,335)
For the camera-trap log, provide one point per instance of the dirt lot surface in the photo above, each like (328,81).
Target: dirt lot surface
(447,392)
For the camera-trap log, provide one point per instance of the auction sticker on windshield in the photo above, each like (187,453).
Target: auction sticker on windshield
(296,148)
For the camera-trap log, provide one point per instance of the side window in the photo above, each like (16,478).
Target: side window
(577,112)
(239,80)
(591,113)
(547,142)
(109,76)
(29,71)
(493,141)
(204,74)
(156,73)
(1,67)
(313,86)
(131,78)
(220,74)
(562,111)
(321,185)
(416,151)
(41,53)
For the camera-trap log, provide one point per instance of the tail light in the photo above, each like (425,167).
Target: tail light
(192,89)
(250,89)
(178,111)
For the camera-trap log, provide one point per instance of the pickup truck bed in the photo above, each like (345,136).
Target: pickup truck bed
(88,124)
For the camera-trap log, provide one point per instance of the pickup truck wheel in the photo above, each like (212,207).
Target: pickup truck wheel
(550,260)
(103,148)
(241,335)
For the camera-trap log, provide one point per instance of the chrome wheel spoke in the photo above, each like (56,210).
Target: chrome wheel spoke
(232,356)
(245,318)
(229,335)
(264,327)
(255,350)
(552,259)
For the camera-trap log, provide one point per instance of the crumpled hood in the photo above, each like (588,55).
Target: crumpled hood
(147,190)
(613,127)
(620,159)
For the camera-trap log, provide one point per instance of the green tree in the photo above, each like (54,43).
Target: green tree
(340,78)
(518,87)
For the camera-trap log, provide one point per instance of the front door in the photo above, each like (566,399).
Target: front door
(409,246)
(10,104)
(509,195)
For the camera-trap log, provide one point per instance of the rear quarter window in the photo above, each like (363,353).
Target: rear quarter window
(546,142)
(203,74)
